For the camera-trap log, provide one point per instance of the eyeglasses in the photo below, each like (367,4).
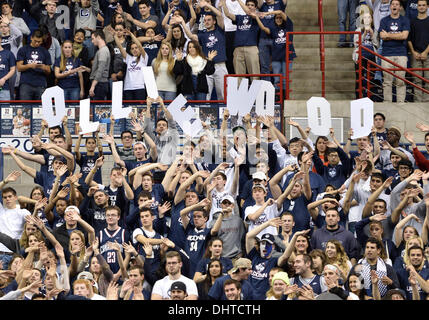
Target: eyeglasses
(127,137)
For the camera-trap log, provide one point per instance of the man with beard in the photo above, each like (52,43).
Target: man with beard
(373,262)
(416,276)
(332,230)
(178,291)
(173,266)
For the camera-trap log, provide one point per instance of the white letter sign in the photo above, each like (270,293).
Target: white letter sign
(117,111)
(319,116)
(86,125)
(361,117)
(47,108)
(183,118)
(265,107)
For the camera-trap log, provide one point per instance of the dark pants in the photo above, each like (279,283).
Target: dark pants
(101,91)
(139,94)
(229,38)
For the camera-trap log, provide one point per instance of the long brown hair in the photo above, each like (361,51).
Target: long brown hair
(63,58)
(157,61)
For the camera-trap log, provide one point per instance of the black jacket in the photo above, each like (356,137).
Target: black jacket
(186,85)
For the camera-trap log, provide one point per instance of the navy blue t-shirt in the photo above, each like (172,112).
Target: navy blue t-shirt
(268,20)
(259,278)
(394,47)
(28,54)
(71,81)
(247,31)
(203,265)
(7,60)
(176,231)
(132,164)
(213,40)
(217,292)
(298,208)
(86,164)
(195,245)
(278,33)
(46,180)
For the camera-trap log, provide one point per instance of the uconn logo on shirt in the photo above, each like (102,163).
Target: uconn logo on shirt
(258,272)
(246,25)
(2,65)
(262,218)
(212,41)
(84,12)
(151,46)
(281,37)
(34,58)
(134,66)
(394,27)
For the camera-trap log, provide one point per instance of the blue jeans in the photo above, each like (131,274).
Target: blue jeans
(280,67)
(346,7)
(5,259)
(90,46)
(167,95)
(265,47)
(72,94)
(28,92)
(4,94)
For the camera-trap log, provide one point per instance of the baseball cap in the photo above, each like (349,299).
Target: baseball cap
(258,185)
(178,285)
(70,208)
(259,175)
(228,197)
(85,275)
(268,237)
(241,263)
(142,143)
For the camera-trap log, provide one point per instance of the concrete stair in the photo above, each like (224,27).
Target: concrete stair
(339,66)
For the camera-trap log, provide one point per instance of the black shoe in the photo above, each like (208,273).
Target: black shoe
(351,45)
(342,45)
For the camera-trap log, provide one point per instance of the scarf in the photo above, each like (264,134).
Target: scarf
(381,272)
(77,48)
(197,64)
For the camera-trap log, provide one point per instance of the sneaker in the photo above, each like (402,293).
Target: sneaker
(342,45)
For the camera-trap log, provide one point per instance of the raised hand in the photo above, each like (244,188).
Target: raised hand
(164,207)
(41,203)
(63,192)
(61,170)
(137,127)
(129,248)
(112,291)
(109,139)
(422,127)
(409,136)
(13,176)
(99,162)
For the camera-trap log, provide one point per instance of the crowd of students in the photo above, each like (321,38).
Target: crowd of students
(253,216)
(83,46)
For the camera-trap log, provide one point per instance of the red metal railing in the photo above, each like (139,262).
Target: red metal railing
(372,66)
(322,58)
(322,45)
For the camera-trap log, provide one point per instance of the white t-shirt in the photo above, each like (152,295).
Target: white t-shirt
(134,77)
(269,213)
(98,297)
(12,223)
(162,286)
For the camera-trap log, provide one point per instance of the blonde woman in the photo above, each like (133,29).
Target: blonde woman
(68,72)
(336,255)
(163,66)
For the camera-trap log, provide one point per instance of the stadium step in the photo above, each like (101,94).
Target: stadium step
(339,66)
